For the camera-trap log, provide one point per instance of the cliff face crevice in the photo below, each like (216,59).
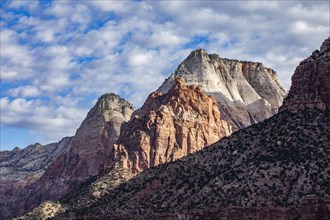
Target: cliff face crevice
(234,84)
(169,126)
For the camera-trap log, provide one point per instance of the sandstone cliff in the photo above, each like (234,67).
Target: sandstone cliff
(84,157)
(246,92)
(311,82)
(168,127)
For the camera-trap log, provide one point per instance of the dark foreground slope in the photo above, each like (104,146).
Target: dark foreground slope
(274,163)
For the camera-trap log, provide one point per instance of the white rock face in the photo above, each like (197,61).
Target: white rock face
(246,92)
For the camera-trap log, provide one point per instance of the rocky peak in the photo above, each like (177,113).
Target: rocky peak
(325,45)
(84,157)
(311,82)
(198,54)
(110,102)
(93,141)
(246,92)
(169,126)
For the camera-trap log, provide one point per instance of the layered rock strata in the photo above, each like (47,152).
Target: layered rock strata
(169,126)
(246,92)
(311,82)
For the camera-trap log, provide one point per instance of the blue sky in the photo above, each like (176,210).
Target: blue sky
(58,57)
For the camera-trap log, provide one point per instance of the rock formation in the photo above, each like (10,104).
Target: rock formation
(311,82)
(91,146)
(270,168)
(246,92)
(84,157)
(168,127)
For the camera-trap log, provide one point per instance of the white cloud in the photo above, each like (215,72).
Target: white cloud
(62,52)
(30,5)
(49,121)
(24,91)
(60,9)
(16,60)
(112,6)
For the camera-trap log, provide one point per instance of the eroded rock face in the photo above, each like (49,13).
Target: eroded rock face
(83,158)
(168,127)
(246,92)
(311,82)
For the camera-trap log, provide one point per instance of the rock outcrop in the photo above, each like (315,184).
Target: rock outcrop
(90,149)
(246,92)
(311,82)
(168,127)
(85,157)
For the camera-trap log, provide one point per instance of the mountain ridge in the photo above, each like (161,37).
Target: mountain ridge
(94,148)
(278,168)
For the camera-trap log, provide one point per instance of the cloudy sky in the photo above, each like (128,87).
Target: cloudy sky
(58,57)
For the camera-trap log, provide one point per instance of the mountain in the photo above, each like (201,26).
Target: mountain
(169,126)
(274,164)
(246,92)
(80,158)
(276,169)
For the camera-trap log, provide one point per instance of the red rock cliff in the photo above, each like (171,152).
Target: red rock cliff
(168,127)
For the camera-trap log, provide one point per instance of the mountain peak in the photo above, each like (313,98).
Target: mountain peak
(311,82)
(246,92)
(199,53)
(111,97)
(325,45)
(109,102)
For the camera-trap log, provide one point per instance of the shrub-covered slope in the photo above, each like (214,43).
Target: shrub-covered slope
(276,162)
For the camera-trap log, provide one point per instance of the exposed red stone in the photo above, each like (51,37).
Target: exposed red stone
(168,127)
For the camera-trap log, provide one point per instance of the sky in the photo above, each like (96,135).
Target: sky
(58,57)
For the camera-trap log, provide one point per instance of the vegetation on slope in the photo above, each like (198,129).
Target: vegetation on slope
(85,195)
(276,162)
